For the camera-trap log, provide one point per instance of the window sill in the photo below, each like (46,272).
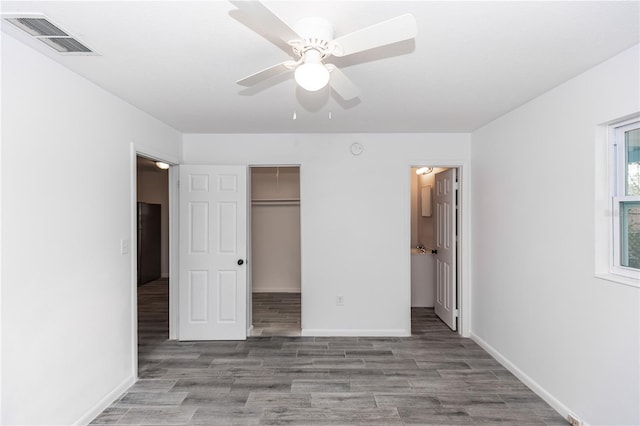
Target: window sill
(632,282)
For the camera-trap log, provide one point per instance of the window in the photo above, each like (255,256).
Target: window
(626,199)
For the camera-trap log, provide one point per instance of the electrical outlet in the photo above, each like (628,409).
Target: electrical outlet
(573,421)
(339,301)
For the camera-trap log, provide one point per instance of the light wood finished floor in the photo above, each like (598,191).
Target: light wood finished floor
(432,377)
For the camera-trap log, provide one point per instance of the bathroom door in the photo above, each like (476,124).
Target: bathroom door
(445,201)
(213,248)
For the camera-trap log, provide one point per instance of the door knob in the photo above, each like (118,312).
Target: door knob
(240,261)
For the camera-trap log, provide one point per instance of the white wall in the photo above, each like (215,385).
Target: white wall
(354,214)
(67,197)
(275,229)
(536,301)
(153,188)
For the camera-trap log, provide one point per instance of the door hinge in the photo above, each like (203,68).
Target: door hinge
(456,314)
(456,186)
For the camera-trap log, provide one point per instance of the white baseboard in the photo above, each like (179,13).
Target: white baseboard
(340,332)
(276,290)
(249,330)
(555,403)
(105,402)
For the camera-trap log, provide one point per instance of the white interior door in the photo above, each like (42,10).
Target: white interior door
(445,201)
(213,246)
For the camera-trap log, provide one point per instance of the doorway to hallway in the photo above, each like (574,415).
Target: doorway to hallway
(152,255)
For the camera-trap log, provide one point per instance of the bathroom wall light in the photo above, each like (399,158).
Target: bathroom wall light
(161,165)
(424,170)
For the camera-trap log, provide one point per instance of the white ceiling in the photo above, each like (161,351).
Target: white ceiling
(470,63)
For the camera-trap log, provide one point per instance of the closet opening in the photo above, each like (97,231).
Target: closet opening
(275,251)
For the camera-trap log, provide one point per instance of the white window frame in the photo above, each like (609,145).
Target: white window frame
(618,194)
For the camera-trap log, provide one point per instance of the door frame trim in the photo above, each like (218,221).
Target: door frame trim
(463,243)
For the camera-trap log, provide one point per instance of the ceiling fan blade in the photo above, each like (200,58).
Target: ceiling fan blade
(267,19)
(266,73)
(341,83)
(397,29)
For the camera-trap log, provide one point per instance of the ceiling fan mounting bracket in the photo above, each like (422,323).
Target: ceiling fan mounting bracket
(314,28)
(316,34)
(300,47)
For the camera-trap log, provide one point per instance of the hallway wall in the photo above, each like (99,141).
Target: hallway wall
(153,188)
(67,316)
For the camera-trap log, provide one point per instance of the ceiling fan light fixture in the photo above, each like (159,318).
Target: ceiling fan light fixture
(312,74)
(312,40)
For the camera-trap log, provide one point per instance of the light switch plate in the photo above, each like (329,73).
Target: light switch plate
(125,246)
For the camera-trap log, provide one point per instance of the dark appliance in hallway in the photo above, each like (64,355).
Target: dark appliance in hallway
(149,232)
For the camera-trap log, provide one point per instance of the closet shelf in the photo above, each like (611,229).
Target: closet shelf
(281,202)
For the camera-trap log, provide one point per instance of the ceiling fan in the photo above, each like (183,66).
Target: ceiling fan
(311,41)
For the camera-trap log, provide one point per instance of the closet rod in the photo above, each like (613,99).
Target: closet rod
(275,202)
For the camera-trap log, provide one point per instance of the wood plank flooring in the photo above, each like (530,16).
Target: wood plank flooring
(276,314)
(432,377)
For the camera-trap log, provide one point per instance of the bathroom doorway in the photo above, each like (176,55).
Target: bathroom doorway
(275,251)
(435,227)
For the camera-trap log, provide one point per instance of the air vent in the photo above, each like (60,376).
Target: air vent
(41,28)
(37,27)
(66,45)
